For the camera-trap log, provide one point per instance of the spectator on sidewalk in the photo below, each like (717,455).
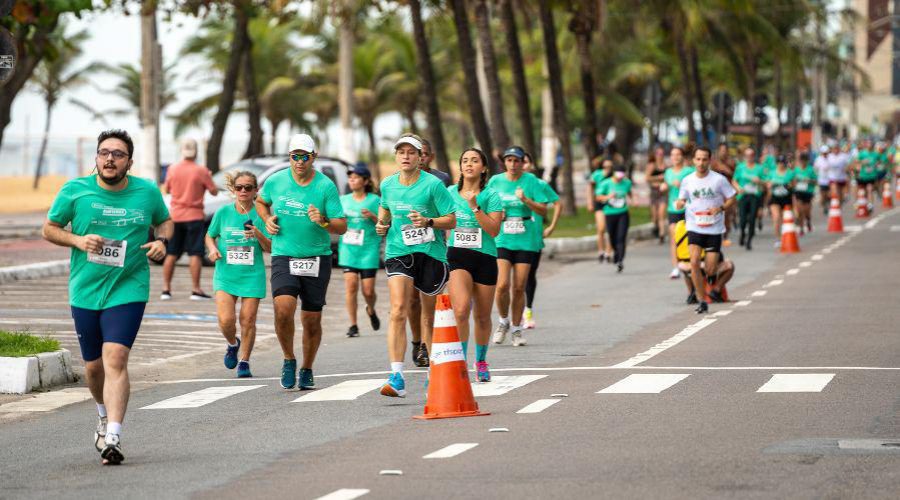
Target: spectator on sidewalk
(187,182)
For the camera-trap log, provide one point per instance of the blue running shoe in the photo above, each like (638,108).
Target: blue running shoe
(289,374)
(395,386)
(231,355)
(305,379)
(243,369)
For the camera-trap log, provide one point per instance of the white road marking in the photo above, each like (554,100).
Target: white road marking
(805,263)
(743,303)
(791,272)
(773,283)
(345,391)
(46,401)
(797,382)
(391,472)
(498,429)
(200,398)
(644,383)
(451,451)
(502,384)
(826,251)
(539,406)
(853,228)
(895,229)
(872,223)
(722,313)
(559,395)
(759,293)
(662,346)
(817,256)
(344,494)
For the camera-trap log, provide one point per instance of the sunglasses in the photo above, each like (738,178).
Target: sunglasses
(244,187)
(301,157)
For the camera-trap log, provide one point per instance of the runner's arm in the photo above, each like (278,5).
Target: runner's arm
(384,221)
(337,226)
(540,208)
(264,242)
(445,221)
(56,234)
(490,222)
(557,211)
(212,251)
(728,203)
(262,209)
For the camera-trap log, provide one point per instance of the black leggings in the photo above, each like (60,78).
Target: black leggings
(531,284)
(748,207)
(617,227)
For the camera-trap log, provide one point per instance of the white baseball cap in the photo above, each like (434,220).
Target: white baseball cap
(412,141)
(189,148)
(824,149)
(302,142)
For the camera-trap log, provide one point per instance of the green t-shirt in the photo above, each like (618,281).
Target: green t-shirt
(867,165)
(806,179)
(360,246)
(537,229)
(749,179)
(430,198)
(781,182)
(299,236)
(124,216)
(618,203)
(597,177)
(670,178)
(241,271)
(516,230)
(489,203)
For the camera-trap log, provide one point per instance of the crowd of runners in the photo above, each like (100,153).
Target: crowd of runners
(479,239)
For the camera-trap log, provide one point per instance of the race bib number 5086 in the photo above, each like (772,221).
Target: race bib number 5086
(111,254)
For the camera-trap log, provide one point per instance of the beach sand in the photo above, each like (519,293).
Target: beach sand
(22,199)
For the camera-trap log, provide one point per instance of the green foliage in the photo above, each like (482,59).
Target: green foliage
(21,344)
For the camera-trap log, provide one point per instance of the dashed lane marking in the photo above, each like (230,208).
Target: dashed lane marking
(676,339)
(644,383)
(791,272)
(773,283)
(797,382)
(345,494)
(817,256)
(805,263)
(345,391)
(451,451)
(759,293)
(722,313)
(539,406)
(743,303)
(200,398)
(895,229)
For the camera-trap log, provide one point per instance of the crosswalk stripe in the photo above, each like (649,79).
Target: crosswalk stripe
(539,406)
(345,494)
(451,451)
(644,383)
(501,384)
(345,391)
(200,398)
(797,382)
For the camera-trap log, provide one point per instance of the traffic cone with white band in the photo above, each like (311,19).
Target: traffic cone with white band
(835,220)
(789,243)
(887,201)
(862,204)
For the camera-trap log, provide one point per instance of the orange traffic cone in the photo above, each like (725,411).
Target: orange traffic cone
(449,389)
(862,204)
(898,189)
(723,292)
(835,221)
(789,242)
(887,201)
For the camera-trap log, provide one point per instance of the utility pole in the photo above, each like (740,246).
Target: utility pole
(817,89)
(151,64)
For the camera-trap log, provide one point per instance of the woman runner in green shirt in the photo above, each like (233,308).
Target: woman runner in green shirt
(781,185)
(804,190)
(615,194)
(241,273)
(359,249)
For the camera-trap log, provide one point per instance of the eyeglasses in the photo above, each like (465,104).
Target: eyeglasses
(244,187)
(116,154)
(301,157)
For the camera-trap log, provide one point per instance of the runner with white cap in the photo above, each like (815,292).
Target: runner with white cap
(301,207)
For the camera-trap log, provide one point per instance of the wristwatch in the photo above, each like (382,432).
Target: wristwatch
(430,223)
(325,222)
(476,209)
(164,240)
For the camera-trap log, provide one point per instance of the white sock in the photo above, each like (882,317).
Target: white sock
(114,428)
(504,321)
(101,409)
(397,367)
(233,345)
(516,328)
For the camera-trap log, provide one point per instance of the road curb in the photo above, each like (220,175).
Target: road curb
(556,246)
(41,371)
(35,270)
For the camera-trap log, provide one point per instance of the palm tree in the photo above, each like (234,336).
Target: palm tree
(128,89)
(495,98)
(54,76)
(582,25)
(517,67)
(429,88)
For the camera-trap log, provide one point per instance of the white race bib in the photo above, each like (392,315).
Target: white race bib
(416,235)
(514,225)
(751,188)
(779,190)
(616,202)
(802,186)
(705,219)
(111,254)
(354,237)
(239,255)
(304,267)
(467,237)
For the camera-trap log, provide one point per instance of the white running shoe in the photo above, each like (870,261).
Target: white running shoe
(500,333)
(165,295)
(112,450)
(674,274)
(100,434)
(517,339)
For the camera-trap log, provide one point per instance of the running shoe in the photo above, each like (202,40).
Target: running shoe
(100,434)
(289,374)
(500,333)
(231,353)
(517,339)
(482,371)
(243,369)
(199,296)
(373,318)
(703,308)
(620,267)
(420,358)
(305,379)
(395,386)
(674,274)
(691,299)
(716,296)
(112,450)
(601,257)
(528,322)
(353,331)
(165,295)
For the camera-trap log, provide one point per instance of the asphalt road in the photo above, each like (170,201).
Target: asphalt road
(787,391)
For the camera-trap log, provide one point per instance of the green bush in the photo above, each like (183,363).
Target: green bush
(20,344)
(582,223)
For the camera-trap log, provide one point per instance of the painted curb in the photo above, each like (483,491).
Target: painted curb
(42,371)
(555,246)
(35,270)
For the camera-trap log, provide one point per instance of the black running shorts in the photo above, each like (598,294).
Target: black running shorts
(708,242)
(480,265)
(429,275)
(310,289)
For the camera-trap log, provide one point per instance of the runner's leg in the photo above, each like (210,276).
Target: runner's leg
(460,288)
(368,291)
(249,310)
(312,336)
(428,303)
(225,303)
(285,307)
(520,276)
(399,288)
(351,285)
(168,271)
(117,386)
(196,265)
(504,268)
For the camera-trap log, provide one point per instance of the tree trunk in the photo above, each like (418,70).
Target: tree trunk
(467,54)
(38,168)
(411,119)
(229,84)
(148,164)
(346,41)
(560,120)
(495,97)
(429,87)
(517,66)
(779,102)
(275,126)
(248,75)
(687,103)
(701,99)
(582,28)
(373,150)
